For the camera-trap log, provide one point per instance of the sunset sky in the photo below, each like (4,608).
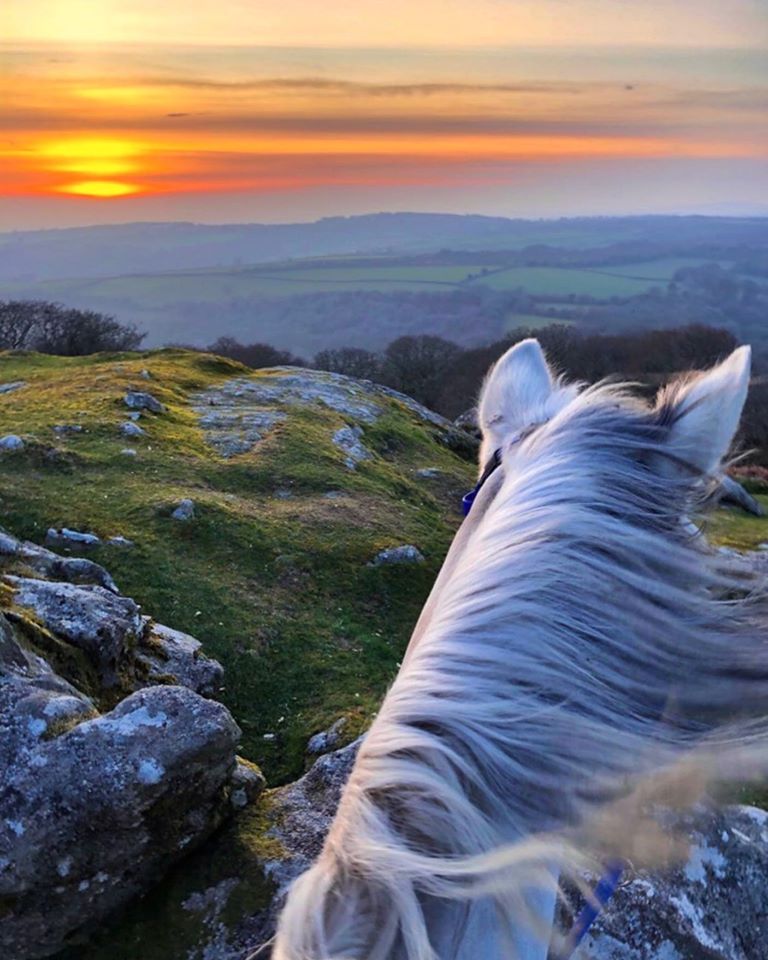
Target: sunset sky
(235,110)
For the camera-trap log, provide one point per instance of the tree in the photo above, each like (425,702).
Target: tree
(418,366)
(66,331)
(350,361)
(256,355)
(17,319)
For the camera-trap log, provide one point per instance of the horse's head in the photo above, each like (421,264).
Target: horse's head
(534,687)
(691,425)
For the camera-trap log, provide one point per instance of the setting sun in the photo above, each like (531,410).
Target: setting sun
(99,188)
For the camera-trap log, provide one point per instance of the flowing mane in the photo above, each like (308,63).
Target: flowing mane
(575,638)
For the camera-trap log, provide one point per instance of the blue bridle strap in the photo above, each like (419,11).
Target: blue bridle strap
(591,910)
(469,498)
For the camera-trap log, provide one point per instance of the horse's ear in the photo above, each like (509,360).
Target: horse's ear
(516,390)
(704,412)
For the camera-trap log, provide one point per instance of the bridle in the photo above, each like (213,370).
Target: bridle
(493,463)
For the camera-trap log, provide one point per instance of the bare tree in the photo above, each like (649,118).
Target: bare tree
(53,328)
(417,366)
(18,319)
(351,361)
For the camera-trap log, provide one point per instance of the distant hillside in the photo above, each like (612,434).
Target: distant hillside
(88,252)
(365,281)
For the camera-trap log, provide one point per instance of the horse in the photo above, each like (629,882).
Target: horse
(579,644)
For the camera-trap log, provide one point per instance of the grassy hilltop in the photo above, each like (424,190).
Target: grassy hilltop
(272,573)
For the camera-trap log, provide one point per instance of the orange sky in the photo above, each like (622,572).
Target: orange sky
(142,129)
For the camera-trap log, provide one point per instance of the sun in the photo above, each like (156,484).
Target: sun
(101,162)
(99,188)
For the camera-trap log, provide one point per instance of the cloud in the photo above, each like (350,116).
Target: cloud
(358,88)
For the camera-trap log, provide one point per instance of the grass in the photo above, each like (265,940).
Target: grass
(735,529)
(278,590)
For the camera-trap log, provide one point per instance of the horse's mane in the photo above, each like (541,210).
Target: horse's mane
(583,638)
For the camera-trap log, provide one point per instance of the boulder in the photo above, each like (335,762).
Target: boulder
(131,429)
(101,623)
(119,541)
(326,740)
(397,555)
(11,442)
(66,537)
(171,654)
(13,385)
(185,510)
(92,817)
(139,400)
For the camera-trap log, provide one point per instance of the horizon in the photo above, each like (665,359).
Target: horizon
(393,213)
(293,113)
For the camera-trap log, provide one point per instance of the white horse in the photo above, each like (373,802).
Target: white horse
(573,639)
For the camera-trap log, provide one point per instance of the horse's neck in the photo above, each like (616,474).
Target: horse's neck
(471,931)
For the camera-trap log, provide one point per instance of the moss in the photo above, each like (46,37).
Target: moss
(66,660)
(57,728)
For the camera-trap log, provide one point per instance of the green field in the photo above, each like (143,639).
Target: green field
(532,320)
(561,281)
(210,286)
(325,276)
(654,270)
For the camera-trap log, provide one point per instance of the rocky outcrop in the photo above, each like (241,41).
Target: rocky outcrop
(295,821)
(97,803)
(711,907)
(239,413)
(171,653)
(103,624)
(51,565)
